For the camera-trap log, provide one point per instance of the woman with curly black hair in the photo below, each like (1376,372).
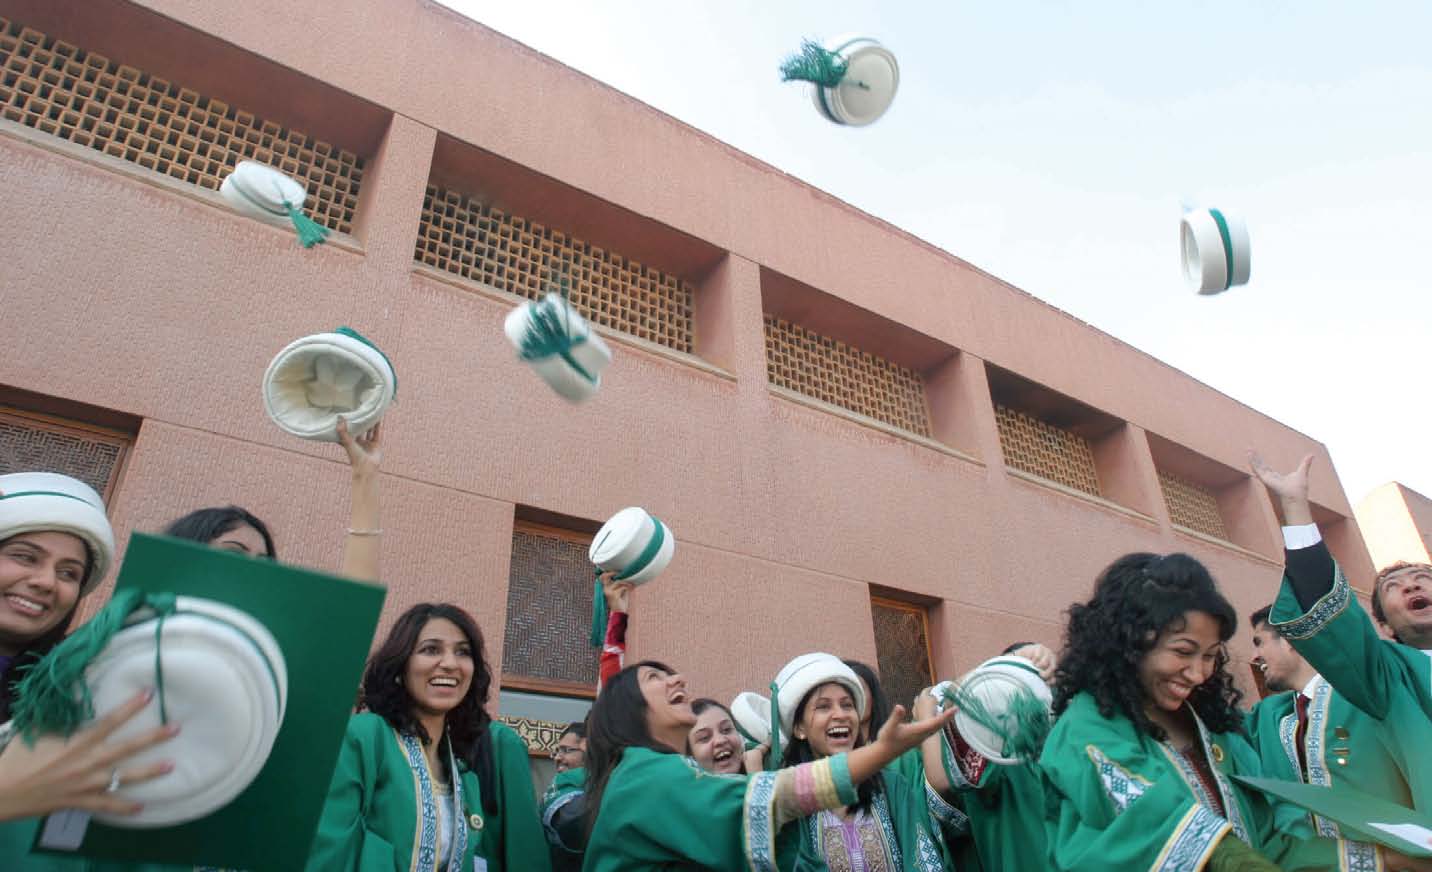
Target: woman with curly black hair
(1138,767)
(425,778)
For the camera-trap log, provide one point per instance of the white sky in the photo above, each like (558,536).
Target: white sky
(1052,144)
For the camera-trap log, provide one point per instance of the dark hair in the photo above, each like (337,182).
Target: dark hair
(698,708)
(467,723)
(575,728)
(206,525)
(799,751)
(1395,568)
(616,722)
(38,647)
(1135,599)
(1260,617)
(879,703)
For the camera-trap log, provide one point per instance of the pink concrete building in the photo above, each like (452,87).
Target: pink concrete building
(863,444)
(1397,523)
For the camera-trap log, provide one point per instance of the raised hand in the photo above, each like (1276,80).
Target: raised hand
(1289,489)
(1040,655)
(365,453)
(900,737)
(618,593)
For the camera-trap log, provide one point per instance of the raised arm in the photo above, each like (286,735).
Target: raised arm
(618,596)
(362,552)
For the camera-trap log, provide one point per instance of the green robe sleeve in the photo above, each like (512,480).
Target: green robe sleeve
(662,811)
(522,847)
(344,843)
(1337,638)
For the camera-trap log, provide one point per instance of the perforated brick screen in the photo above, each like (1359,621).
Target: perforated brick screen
(31,444)
(90,100)
(833,372)
(1046,451)
(902,649)
(549,610)
(1192,506)
(480,242)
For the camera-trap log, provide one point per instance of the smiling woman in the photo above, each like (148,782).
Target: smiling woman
(425,773)
(1147,712)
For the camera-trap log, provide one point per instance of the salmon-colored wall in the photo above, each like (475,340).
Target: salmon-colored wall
(135,293)
(1396,521)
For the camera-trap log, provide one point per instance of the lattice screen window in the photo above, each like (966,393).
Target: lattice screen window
(549,612)
(1046,451)
(1192,506)
(540,736)
(90,100)
(39,443)
(835,373)
(902,649)
(485,244)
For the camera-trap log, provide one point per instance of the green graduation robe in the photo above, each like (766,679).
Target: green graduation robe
(1390,682)
(1342,746)
(1005,807)
(1116,798)
(906,821)
(663,811)
(370,821)
(564,830)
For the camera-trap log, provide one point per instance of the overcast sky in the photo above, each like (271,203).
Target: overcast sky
(1053,143)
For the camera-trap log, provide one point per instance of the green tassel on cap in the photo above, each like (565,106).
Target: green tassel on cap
(599,613)
(815,63)
(773,757)
(53,698)
(310,232)
(548,333)
(1023,728)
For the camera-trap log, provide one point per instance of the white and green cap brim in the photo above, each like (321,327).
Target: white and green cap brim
(261,192)
(996,683)
(317,379)
(808,672)
(752,714)
(865,92)
(560,346)
(634,544)
(1216,251)
(33,502)
(223,678)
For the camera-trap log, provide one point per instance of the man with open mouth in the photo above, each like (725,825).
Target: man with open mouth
(1316,611)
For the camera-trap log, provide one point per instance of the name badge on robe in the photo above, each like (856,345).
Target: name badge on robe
(478,863)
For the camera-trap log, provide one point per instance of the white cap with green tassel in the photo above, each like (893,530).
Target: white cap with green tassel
(214,669)
(1003,709)
(853,78)
(559,345)
(263,192)
(316,380)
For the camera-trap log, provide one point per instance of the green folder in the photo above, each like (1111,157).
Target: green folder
(325,625)
(1357,813)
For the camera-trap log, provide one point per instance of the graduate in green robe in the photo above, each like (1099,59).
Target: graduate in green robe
(1389,681)
(1137,768)
(1310,733)
(891,825)
(56,545)
(651,808)
(425,780)
(563,807)
(1004,805)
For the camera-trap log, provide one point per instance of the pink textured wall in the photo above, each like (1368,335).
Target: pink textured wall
(137,295)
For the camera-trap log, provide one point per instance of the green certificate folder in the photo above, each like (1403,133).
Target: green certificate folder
(1363,816)
(324,625)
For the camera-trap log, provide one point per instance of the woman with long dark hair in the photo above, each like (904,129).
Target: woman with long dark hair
(426,780)
(651,808)
(1138,767)
(823,702)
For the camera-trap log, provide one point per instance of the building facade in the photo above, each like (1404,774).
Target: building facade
(1396,521)
(863,444)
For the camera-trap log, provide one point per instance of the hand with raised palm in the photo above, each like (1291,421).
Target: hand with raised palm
(1288,489)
